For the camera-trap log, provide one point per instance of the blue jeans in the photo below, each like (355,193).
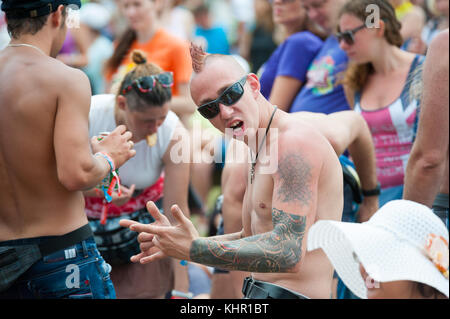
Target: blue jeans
(76,272)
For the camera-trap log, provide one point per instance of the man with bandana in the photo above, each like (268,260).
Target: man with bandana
(46,160)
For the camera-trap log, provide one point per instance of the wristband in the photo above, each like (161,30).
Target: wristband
(175,294)
(107,186)
(108,159)
(183,262)
(115,179)
(372,192)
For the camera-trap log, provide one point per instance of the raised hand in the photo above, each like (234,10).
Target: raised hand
(162,239)
(117,145)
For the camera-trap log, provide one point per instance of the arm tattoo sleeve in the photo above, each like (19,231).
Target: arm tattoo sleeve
(275,251)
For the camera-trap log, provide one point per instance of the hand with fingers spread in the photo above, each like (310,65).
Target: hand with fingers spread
(162,239)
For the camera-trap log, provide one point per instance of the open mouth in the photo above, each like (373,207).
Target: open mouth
(236,125)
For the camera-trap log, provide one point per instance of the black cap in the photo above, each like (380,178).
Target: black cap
(18,9)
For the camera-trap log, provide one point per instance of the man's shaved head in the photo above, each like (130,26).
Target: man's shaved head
(227,61)
(214,72)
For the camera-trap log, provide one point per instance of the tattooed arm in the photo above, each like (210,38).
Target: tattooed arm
(275,251)
(280,250)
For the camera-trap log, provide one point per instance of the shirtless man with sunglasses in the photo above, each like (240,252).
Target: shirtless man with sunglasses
(279,206)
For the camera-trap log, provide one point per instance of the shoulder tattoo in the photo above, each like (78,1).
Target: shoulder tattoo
(294,173)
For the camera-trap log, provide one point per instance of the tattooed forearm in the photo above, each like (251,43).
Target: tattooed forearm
(294,175)
(227,237)
(276,251)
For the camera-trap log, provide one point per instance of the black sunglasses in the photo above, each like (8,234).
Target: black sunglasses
(229,97)
(147,83)
(349,35)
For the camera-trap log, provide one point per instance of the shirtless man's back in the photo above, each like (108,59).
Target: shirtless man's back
(37,96)
(46,158)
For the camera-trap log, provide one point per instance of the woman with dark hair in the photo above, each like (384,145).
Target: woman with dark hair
(383,84)
(169,52)
(154,174)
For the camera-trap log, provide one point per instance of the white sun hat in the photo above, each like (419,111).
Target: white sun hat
(395,244)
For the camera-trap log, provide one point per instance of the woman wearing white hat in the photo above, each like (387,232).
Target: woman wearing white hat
(401,252)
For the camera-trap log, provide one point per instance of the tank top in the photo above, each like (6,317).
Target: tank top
(393,129)
(145,168)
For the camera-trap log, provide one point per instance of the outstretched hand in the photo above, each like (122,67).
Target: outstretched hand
(162,239)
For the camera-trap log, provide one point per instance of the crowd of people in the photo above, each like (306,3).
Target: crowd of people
(224,149)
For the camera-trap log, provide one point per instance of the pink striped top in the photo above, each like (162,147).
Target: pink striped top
(393,130)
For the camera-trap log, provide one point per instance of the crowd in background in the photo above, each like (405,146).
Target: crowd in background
(283,49)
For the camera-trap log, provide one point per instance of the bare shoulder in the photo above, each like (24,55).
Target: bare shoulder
(301,152)
(300,130)
(41,70)
(53,77)
(418,12)
(440,43)
(65,76)
(436,63)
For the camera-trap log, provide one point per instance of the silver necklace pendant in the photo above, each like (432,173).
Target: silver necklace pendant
(252,173)
(252,170)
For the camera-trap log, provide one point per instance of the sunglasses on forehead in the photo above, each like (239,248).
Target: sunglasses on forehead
(146,84)
(229,97)
(349,35)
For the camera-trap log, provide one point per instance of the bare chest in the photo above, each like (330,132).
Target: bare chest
(257,205)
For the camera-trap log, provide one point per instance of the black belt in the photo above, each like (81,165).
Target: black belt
(255,289)
(56,243)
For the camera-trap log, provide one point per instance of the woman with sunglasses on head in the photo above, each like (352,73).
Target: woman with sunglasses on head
(284,74)
(169,52)
(383,84)
(142,104)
